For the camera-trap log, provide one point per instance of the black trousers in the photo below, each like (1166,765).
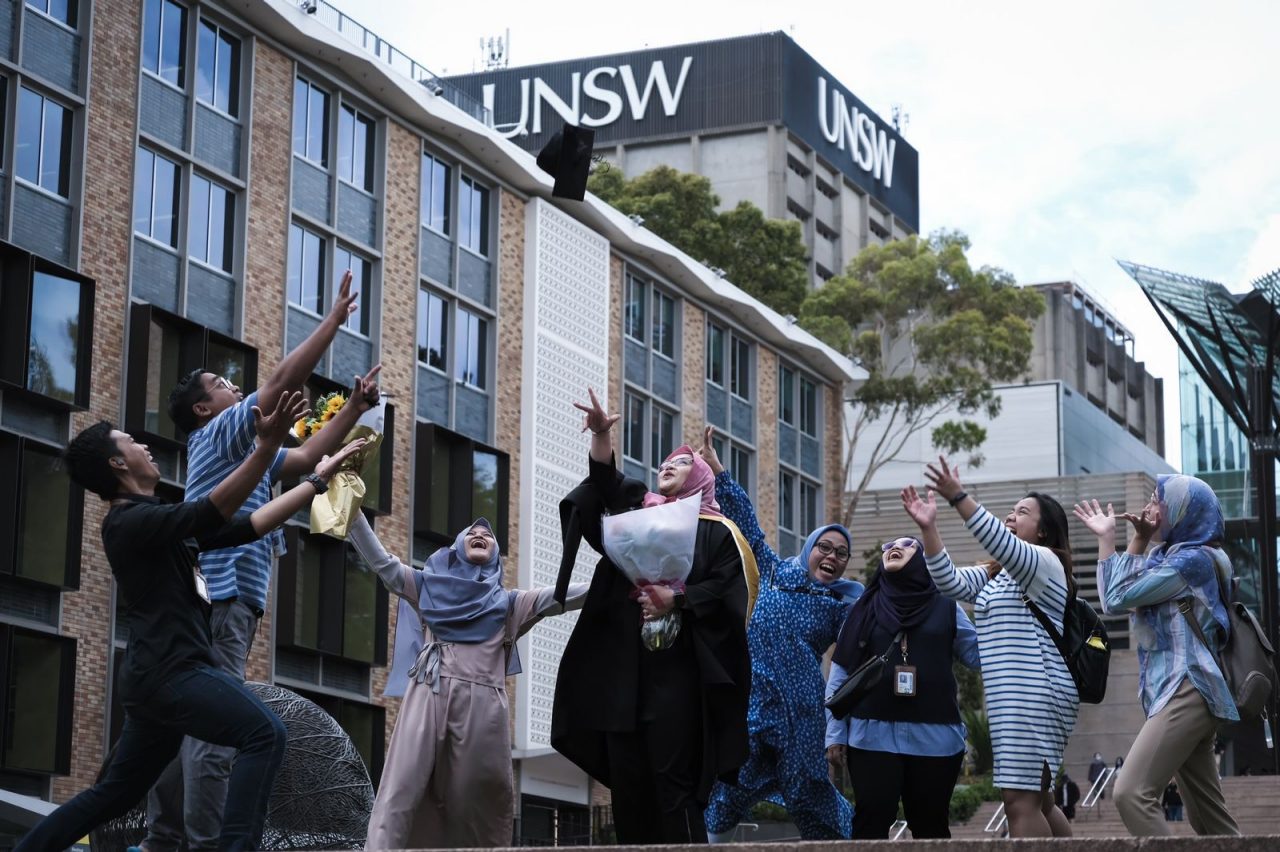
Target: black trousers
(655,769)
(923,784)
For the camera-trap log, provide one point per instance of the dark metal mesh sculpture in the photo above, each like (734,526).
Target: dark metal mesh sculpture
(321,799)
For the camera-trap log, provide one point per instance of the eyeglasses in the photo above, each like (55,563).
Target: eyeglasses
(901,543)
(220,382)
(826,548)
(678,461)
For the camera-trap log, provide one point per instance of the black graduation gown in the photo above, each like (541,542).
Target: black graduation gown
(599,682)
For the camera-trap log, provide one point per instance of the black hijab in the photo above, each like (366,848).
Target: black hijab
(894,600)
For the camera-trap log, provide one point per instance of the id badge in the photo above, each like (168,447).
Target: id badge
(904,681)
(202,587)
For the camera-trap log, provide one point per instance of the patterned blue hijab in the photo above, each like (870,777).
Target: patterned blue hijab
(1193,530)
(842,586)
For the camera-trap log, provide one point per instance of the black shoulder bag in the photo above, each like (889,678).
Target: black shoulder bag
(860,682)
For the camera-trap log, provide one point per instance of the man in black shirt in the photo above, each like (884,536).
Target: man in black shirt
(169,685)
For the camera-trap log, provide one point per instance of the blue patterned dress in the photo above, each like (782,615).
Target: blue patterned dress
(795,620)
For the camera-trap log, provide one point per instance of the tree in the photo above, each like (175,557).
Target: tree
(764,257)
(933,335)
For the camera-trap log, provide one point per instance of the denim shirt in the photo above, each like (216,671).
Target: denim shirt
(1168,649)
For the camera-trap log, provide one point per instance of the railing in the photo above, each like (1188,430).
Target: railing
(896,830)
(1095,792)
(996,824)
(369,41)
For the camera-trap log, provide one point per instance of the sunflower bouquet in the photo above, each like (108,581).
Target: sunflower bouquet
(333,511)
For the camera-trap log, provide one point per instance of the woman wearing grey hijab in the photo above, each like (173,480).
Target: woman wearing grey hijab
(447,777)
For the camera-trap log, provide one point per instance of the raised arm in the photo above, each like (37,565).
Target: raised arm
(364,395)
(271,428)
(536,604)
(600,423)
(284,507)
(960,584)
(1128,584)
(299,364)
(735,504)
(395,575)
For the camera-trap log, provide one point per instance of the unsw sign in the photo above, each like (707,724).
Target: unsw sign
(701,88)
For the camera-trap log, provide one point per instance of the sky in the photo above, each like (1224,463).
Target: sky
(1059,137)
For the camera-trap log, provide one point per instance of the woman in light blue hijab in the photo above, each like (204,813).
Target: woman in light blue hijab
(1177,595)
(447,777)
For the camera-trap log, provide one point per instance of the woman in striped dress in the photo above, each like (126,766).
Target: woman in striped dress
(1031,699)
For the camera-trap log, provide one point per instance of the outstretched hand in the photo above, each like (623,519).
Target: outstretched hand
(1100,523)
(329,465)
(944,479)
(364,390)
(922,510)
(596,418)
(272,428)
(344,303)
(1146,522)
(708,452)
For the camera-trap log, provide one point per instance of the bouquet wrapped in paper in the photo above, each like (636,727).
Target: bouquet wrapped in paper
(333,511)
(654,546)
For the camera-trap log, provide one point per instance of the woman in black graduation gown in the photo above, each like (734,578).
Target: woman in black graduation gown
(656,727)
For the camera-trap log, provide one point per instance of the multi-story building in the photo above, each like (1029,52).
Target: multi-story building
(756,115)
(183,183)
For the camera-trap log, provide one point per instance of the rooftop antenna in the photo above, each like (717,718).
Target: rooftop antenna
(901,118)
(497,51)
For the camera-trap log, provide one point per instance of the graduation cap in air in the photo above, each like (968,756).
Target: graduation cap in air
(567,158)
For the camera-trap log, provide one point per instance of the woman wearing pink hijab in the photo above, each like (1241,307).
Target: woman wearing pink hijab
(657,727)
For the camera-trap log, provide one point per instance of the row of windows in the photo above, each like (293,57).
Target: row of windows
(355,135)
(797,392)
(725,347)
(310,287)
(471,350)
(164,54)
(157,210)
(473,205)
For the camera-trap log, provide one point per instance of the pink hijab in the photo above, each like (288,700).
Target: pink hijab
(700,480)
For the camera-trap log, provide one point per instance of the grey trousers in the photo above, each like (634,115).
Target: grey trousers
(1175,743)
(186,804)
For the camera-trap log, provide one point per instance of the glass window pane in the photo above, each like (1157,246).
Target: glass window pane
(715,354)
(786,395)
(31,701)
(306,269)
(740,367)
(808,407)
(480,225)
(634,313)
(740,466)
(464,213)
(433,330)
(664,324)
(55,336)
(361,270)
(30,124)
(361,722)
(359,611)
(346,134)
(808,506)
(786,488)
(435,194)
(151,35)
(163,364)
(472,355)
(663,436)
(362,154)
(227,361)
(318,126)
(633,429)
(226,86)
(222,218)
(306,596)
(45,507)
(300,104)
(206,60)
(144,171)
(198,220)
(441,492)
(484,487)
(164,210)
(173,42)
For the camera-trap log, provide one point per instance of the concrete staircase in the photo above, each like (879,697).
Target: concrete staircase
(1254,801)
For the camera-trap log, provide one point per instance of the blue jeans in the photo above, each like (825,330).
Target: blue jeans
(203,703)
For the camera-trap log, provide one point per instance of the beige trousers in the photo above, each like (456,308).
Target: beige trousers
(1175,743)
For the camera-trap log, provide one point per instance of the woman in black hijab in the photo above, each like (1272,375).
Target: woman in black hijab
(904,740)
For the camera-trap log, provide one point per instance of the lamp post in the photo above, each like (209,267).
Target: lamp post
(1265,446)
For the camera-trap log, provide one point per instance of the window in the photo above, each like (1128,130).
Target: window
(435,194)
(311,122)
(355,148)
(809,512)
(218,68)
(43,544)
(53,357)
(164,43)
(456,480)
(787,395)
(473,349)
(664,324)
(361,273)
(786,501)
(808,407)
(62,11)
(156,198)
(306,270)
(473,217)
(715,354)
(633,313)
(633,428)
(433,329)
(37,681)
(211,227)
(663,436)
(736,460)
(43,145)
(740,368)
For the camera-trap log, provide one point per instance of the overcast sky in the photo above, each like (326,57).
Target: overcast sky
(1058,136)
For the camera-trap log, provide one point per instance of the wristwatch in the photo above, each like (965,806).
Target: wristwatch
(317,482)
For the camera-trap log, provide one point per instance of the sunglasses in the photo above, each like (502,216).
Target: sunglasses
(901,543)
(678,461)
(826,548)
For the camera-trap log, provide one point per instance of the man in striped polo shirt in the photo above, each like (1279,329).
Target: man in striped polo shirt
(187,801)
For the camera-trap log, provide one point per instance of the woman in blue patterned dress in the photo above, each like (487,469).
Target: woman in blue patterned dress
(801,604)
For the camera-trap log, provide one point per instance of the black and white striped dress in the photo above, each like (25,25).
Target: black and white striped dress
(1031,699)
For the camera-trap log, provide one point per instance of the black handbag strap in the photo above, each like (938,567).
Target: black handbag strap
(896,639)
(1047,624)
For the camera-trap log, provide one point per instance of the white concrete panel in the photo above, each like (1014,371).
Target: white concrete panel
(678,154)
(734,164)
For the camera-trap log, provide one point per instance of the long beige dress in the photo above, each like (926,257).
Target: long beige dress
(447,777)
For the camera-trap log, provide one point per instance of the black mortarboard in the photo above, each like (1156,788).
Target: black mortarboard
(567,158)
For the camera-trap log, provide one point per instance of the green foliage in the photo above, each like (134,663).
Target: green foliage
(975,719)
(765,257)
(965,802)
(769,812)
(932,333)
(969,686)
